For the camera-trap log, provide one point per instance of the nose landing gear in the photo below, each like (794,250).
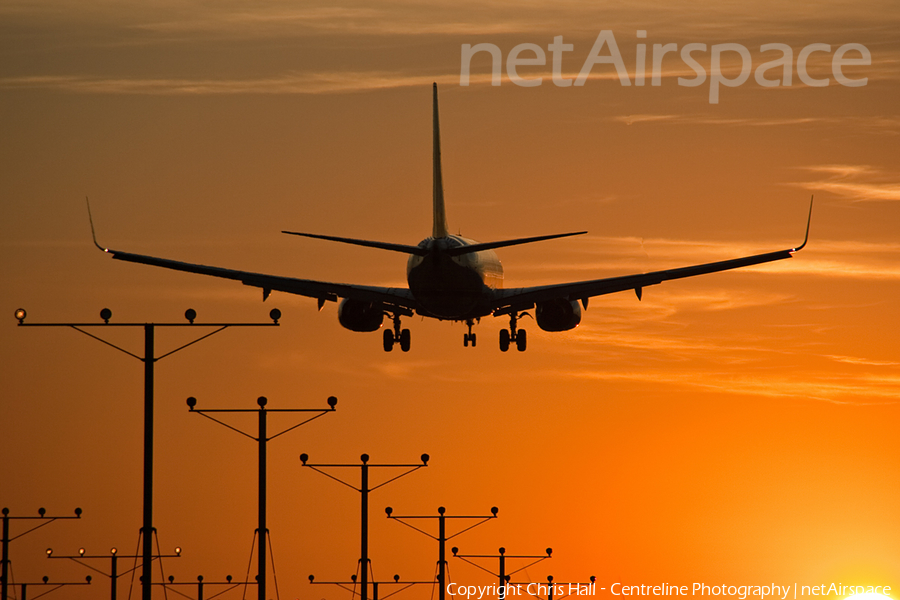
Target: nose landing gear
(469,337)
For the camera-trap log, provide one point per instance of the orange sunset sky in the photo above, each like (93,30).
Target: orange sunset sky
(737,428)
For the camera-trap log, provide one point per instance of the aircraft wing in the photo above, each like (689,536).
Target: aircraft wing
(321,290)
(511,300)
(516,299)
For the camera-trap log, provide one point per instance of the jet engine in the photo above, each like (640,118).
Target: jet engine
(558,315)
(360,316)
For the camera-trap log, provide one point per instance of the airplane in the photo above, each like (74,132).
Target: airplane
(453,278)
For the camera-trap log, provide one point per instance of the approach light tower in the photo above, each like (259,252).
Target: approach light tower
(149,359)
(5,540)
(262,439)
(229,584)
(559,590)
(113,557)
(442,536)
(503,557)
(364,490)
(350,586)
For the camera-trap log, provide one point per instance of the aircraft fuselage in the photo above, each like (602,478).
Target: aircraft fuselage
(453,287)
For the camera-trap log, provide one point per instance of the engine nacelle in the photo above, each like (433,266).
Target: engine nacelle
(558,315)
(360,316)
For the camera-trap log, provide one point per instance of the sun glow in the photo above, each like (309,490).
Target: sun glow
(868,596)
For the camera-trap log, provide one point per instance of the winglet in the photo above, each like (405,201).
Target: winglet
(91,220)
(808,221)
(439,229)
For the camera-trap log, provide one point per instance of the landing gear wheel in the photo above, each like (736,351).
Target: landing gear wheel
(521,340)
(388,340)
(504,340)
(469,336)
(404,340)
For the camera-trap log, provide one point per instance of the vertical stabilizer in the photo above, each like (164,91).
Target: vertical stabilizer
(440,215)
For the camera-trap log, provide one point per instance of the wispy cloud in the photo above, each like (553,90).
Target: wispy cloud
(839,389)
(853,360)
(331,82)
(875,124)
(610,256)
(857,183)
(393,369)
(295,83)
(429,17)
(709,120)
(632,119)
(658,335)
(381,19)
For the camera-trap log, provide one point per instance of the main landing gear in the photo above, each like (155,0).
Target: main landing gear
(469,337)
(519,337)
(396,336)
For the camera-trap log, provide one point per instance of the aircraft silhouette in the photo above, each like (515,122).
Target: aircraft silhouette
(453,278)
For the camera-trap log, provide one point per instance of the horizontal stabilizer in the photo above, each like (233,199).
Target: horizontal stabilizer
(368,243)
(502,244)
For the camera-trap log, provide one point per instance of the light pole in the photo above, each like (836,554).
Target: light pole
(262,439)
(364,490)
(5,541)
(559,590)
(149,359)
(45,581)
(114,557)
(442,537)
(375,584)
(228,583)
(503,557)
